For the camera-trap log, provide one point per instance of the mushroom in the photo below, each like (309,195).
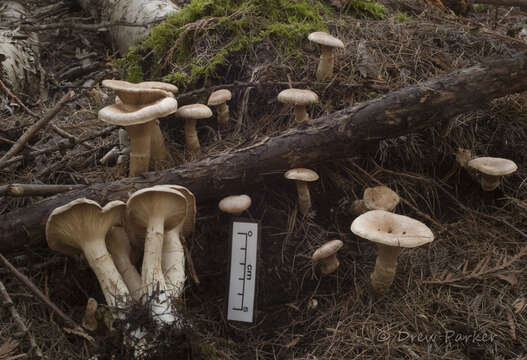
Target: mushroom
(157,210)
(144,93)
(376,198)
(89,320)
(327,256)
(391,232)
(138,120)
(81,226)
(492,170)
(302,177)
(300,99)
(121,251)
(235,204)
(191,113)
(327,58)
(219,99)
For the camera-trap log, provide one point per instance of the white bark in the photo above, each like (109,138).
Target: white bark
(18,50)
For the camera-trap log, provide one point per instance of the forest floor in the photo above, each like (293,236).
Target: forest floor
(463,296)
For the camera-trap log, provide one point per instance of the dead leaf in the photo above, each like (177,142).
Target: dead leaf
(510,278)
(7,348)
(519,304)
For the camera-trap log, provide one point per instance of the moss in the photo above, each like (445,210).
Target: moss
(480,7)
(402,17)
(365,9)
(229,27)
(130,66)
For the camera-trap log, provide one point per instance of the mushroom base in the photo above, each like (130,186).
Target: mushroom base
(140,146)
(191,137)
(489,182)
(326,64)
(301,114)
(223,114)
(304,198)
(385,267)
(329,265)
(159,150)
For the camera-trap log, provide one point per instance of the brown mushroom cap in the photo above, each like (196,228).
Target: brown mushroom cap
(380,198)
(391,229)
(326,250)
(298,97)
(235,204)
(126,114)
(219,97)
(493,166)
(301,174)
(325,39)
(194,111)
(136,94)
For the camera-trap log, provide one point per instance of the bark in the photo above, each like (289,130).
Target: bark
(333,136)
(18,50)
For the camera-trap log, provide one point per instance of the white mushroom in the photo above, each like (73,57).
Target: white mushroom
(235,204)
(327,58)
(300,99)
(492,170)
(391,232)
(219,99)
(302,176)
(192,113)
(376,198)
(327,256)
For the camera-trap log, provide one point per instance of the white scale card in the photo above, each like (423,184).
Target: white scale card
(242,284)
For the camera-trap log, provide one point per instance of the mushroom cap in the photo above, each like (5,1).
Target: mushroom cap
(380,198)
(219,97)
(81,220)
(326,250)
(136,94)
(235,204)
(325,39)
(391,229)
(190,220)
(297,97)
(126,114)
(162,201)
(493,166)
(194,111)
(173,89)
(301,174)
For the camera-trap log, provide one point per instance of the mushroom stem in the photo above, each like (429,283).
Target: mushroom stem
(489,182)
(385,267)
(223,114)
(304,197)
(140,145)
(174,263)
(329,264)
(191,136)
(159,150)
(325,66)
(301,113)
(358,207)
(101,262)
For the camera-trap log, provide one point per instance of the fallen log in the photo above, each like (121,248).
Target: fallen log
(333,136)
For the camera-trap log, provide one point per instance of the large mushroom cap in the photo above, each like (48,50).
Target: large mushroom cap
(493,166)
(325,39)
(326,250)
(391,229)
(301,174)
(380,198)
(79,220)
(136,94)
(194,111)
(125,114)
(298,97)
(157,201)
(235,204)
(190,220)
(219,97)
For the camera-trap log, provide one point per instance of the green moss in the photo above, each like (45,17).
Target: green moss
(480,7)
(227,28)
(402,17)
(365,9)
(130,66)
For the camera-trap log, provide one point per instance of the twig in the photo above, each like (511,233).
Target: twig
(19,190)
(84,27)
(22,105)
(67,135)
(34,128)
(8,302)
(66,144)
(522,4)
(37,292)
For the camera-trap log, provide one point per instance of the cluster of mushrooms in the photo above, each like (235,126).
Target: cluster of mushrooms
(156,220)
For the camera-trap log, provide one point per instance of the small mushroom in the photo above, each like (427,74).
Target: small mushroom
(235,204)
(302,176)
(391,232)
(89,320)
(327,58)
(157,210)
(80,227)
(300,99)
(327,256)
(219,99)
(376,198)
(492,170)
(192,113)
(138,120)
